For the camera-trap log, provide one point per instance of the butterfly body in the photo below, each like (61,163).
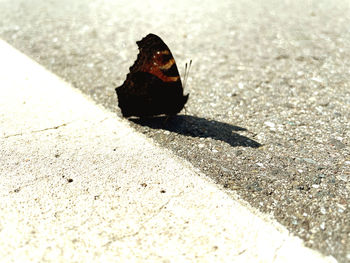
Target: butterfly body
(153,86)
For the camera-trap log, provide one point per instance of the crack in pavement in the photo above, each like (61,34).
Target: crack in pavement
(35,131)
(50,128)
(27,184)
(277,249)
(145,222)
(241,252)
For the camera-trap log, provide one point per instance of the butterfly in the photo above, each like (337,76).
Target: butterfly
(153,86)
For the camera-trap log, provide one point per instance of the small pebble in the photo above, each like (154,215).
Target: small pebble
(269,124)
(260,164)
(323,226)
(316,79)
(309,160)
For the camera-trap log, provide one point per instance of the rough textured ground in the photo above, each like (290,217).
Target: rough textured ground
(269,73)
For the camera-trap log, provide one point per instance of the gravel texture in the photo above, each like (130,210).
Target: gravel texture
(268,114)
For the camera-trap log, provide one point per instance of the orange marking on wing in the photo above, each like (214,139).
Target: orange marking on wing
(168,64)
(157,64)
(157,72)
(163,52)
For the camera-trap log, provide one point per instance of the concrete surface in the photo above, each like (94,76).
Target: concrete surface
(79,185)
(273,73)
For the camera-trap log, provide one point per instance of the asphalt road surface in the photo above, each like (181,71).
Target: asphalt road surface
(268,114)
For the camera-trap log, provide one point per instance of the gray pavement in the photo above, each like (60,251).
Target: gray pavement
(269,73)
(78,184)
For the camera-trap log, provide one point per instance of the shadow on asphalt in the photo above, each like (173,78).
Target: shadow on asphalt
(199,127)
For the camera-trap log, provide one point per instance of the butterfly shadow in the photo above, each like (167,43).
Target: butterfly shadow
(199,127)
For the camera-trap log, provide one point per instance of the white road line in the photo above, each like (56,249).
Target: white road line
(78,184)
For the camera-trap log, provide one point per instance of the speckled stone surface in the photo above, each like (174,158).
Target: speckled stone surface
(268,114)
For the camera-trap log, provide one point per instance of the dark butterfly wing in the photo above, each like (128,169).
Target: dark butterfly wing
(153,86)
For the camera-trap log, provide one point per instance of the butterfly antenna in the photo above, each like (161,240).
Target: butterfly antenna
(187,72)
